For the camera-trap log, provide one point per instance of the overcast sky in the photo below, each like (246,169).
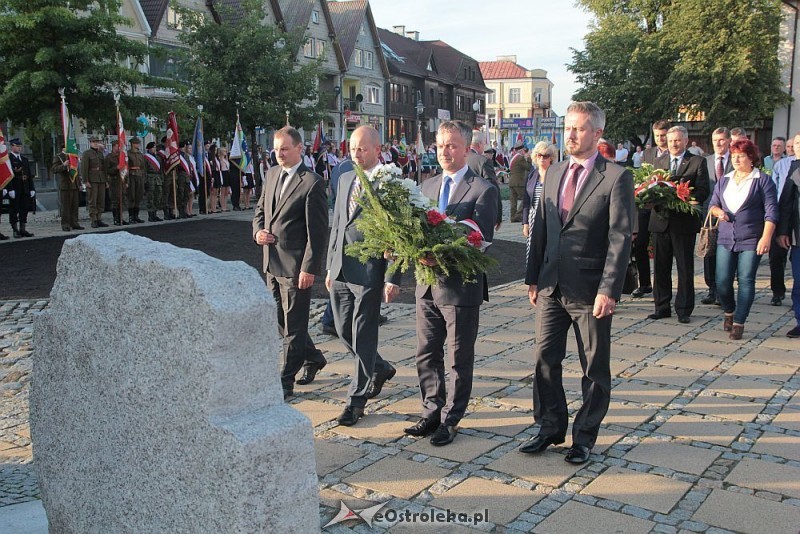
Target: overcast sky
(539,32)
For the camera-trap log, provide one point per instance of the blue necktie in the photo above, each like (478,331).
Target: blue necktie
(444,198)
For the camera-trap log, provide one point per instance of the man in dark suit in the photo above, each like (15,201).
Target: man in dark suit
(641,241)
(789,232)
(357,288)
(481,166)
(518,170)
(674,233)
(449,310)
(291,222)
(21,190)
(719,164)
(576,269)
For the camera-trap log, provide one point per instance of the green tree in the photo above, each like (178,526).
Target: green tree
(248,65)
(50,44)
(651,59)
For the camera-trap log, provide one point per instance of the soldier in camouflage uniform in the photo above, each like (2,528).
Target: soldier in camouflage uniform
(153,184)
(137,173)
(117,184)
(93,175)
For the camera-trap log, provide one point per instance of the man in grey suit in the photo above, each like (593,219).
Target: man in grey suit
(576,269)
(357,288)
(290,223)
(449,311)
(719,164)
(481,166)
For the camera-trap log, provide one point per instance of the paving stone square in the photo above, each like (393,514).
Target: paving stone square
(747,514)
(654,394)
(627,415)
(573,518)
(744,387)
(709,347)
(675,456)
(484,388)
(778,357)
(789,419)
(331,456)
(505,368)
(397,476)
(548,468)
(648,491)
(769,371)
(464,448)
(698,429)
(374,427)
(318,412)
(646,340)
(498,421)
(726,408)
(504,501)
(766,476)
(779,445)
(683,360)
(522,398)
(629,352)
(666,376)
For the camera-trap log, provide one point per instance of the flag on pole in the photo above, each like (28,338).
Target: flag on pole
(199,148)
(319,139)
(69,141)
(343,145)
(519,140)
(420,146)
(239,149)
(173,157)
(122,165)
(6,172)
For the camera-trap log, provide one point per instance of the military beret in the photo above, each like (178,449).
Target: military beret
(150,145)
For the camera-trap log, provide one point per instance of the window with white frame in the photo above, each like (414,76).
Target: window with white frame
(492,97)
(514,96)
(308,48)
(358,58)
(373,94)
(315,16)
(367,60)
(320,48)
(173,19)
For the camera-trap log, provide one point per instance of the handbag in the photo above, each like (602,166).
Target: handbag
(707,242)
(631,278)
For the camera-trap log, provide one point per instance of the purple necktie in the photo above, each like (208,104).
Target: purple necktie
(720,168)
(569,191)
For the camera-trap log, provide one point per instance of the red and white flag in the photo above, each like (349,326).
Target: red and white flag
(123,148)
(173,160)
(6,172)
(317,139)
(343,145)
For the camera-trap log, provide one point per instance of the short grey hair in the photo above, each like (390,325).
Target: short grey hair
(722,131)
(457,126)
(543,147)
(679,129)
(597,117)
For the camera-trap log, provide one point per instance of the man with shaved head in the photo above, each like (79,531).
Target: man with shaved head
(357,288)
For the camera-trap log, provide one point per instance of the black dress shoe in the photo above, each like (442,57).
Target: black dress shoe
(101,224)
(578,454)
(684,319)
(539,443)
(776,300)
(329,330)
(350,416)
(424,426)
(659,315)
(77,227)
(287,392)
(639,292)
(310,371)
(95,225)
(444,435)
(378,380)
(711,298)
(3,237)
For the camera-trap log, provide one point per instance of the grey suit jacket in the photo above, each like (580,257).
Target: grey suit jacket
(650,155)
(343,232)
(589,253)
(476,199)
(481,166)
(299,223)
(711,160)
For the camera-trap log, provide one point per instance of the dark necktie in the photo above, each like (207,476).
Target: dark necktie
(569,190)
(279,188)
(444,198)
(355,194)
(674,171)
(720,170)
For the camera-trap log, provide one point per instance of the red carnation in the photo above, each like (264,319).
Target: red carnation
(435,217)
(475,238)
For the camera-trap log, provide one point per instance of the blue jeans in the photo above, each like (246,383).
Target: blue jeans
(794,256)
(745,264)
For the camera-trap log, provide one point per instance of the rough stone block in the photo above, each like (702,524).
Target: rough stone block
(156,403)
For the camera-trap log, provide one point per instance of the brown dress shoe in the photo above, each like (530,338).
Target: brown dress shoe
(727,322)
(736,331)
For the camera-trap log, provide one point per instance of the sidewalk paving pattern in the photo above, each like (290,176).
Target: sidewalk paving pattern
(703,433)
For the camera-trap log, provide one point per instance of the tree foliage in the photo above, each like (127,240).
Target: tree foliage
(247,65)
(646,60)
(50,44)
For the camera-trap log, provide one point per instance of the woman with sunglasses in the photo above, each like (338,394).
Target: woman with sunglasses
(543,156)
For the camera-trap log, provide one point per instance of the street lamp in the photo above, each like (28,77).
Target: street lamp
(420,110)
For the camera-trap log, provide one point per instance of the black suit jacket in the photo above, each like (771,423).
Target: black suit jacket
(694,171)
(789,205)
(481,166)
(299,223)
(650,155)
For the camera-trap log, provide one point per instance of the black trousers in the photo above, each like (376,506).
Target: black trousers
(458,325)
(554,318)
(236,187)
(293,309)
(710,272)
(640,245)
(18,207)
(680,247)
(777,269)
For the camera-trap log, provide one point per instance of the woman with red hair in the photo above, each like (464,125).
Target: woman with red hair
(745,202)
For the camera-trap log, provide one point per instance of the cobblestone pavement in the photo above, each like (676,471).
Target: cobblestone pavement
(703,433)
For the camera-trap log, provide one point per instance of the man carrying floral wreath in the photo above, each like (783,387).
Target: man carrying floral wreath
(449,309)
